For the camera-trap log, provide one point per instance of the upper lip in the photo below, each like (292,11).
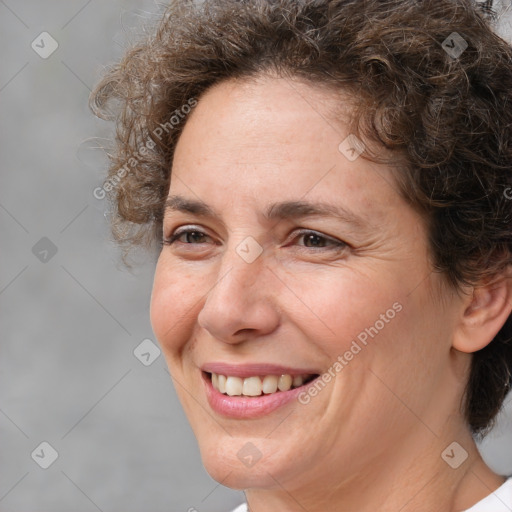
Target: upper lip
(254,369)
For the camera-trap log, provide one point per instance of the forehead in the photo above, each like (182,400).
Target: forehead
(274,139)
(267,111)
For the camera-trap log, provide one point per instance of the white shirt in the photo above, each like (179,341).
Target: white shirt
(498,501)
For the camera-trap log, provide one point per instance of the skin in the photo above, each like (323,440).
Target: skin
(372,439)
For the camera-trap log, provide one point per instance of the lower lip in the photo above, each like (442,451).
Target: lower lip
(241,407)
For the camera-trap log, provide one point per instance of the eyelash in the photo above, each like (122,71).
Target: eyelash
(335,244)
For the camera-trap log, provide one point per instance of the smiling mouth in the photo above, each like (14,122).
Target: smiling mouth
(257,385)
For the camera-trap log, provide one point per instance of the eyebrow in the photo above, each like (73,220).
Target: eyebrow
(275,211)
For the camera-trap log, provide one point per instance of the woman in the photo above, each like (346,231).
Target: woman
(330,181)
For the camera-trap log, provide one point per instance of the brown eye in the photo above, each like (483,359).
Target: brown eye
(193,237)
(186,236)
(312,239)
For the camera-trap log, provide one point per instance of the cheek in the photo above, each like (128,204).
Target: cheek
(370,321)
(339,305)
(172,307)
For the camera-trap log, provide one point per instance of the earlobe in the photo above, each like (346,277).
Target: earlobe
(486,310)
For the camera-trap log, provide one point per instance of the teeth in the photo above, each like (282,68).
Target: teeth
(270,384)
(234,386)
(252,386)
(221,383)
(298,380)
(255,386)
(285,383)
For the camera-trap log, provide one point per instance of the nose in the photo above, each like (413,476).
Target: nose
(241,304)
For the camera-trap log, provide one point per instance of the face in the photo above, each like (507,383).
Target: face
(262,286)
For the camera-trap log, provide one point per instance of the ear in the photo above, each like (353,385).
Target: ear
(485,310)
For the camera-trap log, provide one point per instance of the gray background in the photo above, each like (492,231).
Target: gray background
(72,320)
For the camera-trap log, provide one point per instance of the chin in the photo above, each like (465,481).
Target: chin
(234,476)
(236,463)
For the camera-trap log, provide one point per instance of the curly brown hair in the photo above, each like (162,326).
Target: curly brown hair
(433,84)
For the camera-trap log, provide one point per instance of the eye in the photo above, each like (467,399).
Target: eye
(313,239)
(191,236)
